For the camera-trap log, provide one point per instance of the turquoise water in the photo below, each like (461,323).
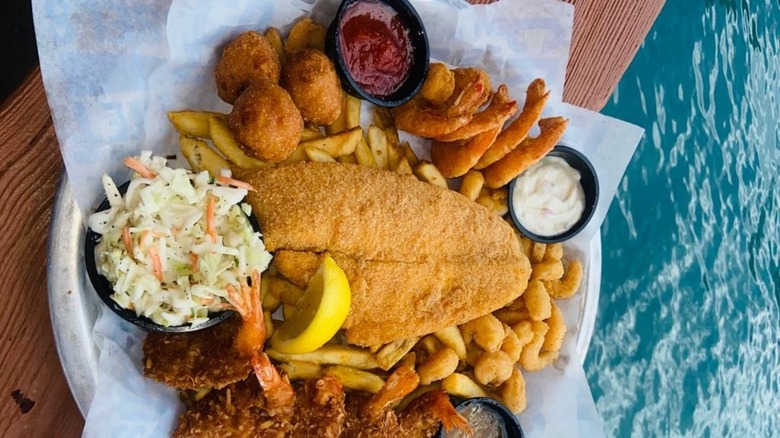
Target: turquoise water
(687,341)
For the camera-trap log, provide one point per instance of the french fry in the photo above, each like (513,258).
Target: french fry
(298,155)
(193,123)
(336,145)
(275,39)
(352,107)
(201,157)
(403,167)
(394,149)
(318,155)
(332,355)
(306,34)
(383,118)
(471,185)
(269,323)
(271,302)
(391,353)
(347,159)
(431,345)
(408,360)
(356,379)
(340,124)
(224,141)
(364,155)
(310,134)
(411,157)
(288,311)
(452,338)
(284,290)
(375,348)
(427,172)
(462,386)
(298,370)
(393,153)
(377,141)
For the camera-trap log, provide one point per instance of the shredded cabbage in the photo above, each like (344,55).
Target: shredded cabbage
(166,219)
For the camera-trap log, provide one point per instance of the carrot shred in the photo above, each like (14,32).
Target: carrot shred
(156,263)
(210,219)
(139,167)
(194,261)
(128,242)
(235,183)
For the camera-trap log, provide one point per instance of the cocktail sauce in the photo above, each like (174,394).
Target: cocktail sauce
(375,46)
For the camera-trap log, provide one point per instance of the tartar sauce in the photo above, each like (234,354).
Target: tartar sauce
(548,198)
(483,421)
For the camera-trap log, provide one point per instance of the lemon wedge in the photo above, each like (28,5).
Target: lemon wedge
(319,314)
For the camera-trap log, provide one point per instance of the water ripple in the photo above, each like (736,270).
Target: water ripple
(687,337)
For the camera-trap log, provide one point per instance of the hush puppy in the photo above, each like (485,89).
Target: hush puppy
(247,59)
(266,122)
(311,79)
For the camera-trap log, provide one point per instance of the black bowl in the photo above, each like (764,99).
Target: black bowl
(418,69)
(512,427)
(105,290)
(590,186)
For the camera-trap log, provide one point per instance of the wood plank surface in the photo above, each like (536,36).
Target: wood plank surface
(37,401)
(606,36)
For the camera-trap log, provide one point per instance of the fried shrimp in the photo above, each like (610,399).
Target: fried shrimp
(246,60)
(517,131)
(266,122)
(530,151)
(472,90)
(194,360)
(311,80)
(242,410)
(500,109)
(418,118)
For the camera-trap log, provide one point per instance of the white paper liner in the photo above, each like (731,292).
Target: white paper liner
(112,69)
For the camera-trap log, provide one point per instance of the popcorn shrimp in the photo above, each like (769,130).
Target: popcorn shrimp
(493,368)
(438,366)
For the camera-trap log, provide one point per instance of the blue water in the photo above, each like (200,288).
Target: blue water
(687,341)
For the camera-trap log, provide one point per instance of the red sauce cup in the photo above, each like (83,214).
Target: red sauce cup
(377,58)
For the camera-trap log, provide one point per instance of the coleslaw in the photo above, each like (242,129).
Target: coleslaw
(175,241)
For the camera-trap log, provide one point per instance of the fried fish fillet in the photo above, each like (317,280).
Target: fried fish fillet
(398,300)
(419,258)
(373,214)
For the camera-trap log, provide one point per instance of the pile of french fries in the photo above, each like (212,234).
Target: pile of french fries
(485,357)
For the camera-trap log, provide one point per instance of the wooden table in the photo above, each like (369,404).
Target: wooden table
(37,402)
